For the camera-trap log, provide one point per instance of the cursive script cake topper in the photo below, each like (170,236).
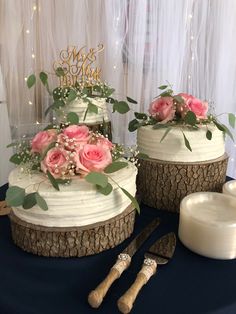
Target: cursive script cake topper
(78,66)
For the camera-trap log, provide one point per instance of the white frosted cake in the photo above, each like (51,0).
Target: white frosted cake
(76,204)
(80,107)
(173,148)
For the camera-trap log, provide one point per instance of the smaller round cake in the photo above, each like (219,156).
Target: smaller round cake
(90,118)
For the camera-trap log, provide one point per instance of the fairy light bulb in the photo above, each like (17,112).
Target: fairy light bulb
(190,16)
(30,103)
(27,31)
(33,56)
(35,7)
(25,78)
(114,67)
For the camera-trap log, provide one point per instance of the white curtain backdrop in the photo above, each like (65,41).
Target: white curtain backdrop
(189,43)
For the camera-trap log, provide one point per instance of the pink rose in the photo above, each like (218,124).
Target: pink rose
(74,136)
(93,158)
(198,107)
(42,139)
(162,109)
(105,143)
(57,162)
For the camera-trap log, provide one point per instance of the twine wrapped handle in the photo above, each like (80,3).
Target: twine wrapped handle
(125,303)
(96,296)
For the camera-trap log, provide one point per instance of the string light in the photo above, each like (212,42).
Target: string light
(27,31)
(114,67)
(25,78)
(30,103)
(33,55)
(37,122)
(35,7)
(192,37)
(190,16)
(192,57)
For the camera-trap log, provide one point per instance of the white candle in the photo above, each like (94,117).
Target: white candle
(230,188)
(207,224)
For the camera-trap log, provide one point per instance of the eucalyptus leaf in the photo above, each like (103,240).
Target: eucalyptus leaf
(41,201)
(72,118)
(72,95)
(228,132)
(115,166)
(190,118)
(133,200)
(53,181)
(165,134)
(121,107)
(60,72)
(134,125)
(29,201)
(97,178)
(162,87)
(142,156)
(167,93)
(16,159)
(12,144)
(209,135)
(92,108)
(63,181)
(31,80)
(106,191)
(219,126)
(15,196)
(110,100)
(186,142)
(140,116)
(132,101)
(43,78)
(232,119)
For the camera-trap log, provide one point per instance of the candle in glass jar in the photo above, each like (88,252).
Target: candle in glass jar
(207,224)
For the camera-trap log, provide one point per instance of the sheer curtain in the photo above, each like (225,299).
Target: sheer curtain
(189,43)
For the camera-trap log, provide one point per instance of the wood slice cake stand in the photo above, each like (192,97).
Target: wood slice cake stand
(72,241)
(163,184)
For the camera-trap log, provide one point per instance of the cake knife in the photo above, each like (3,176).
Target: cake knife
(158,254)
(123,261)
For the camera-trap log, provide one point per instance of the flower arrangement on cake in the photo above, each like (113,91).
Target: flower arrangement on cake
(182,111)
(184,146)
(81,96)
(73,191)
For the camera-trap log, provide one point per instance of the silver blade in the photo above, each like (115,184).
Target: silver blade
(136,243)
(163,249)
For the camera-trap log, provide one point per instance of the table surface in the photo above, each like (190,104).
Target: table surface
(188,284)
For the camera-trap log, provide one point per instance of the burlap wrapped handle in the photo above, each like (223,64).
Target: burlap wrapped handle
(96,296)
(125,303)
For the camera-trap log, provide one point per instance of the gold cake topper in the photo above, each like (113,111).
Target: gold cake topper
(78,65)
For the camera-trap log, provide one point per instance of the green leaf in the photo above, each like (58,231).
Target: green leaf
(190,118)
(121,107)
(132,101)
(134,125)
(31,80)
(43,77)
(115,166)
(186,142)
(142,156)
(133,200)
(50,146)
(140,116)
(41,201)
(12,144)
(232,119)
(15,196)
(92,108)
(219,126)
(209,135)
(179,99)
(56,105)
(72,95)
(29,201)
(163,87)
(107,190)
(167,93)
(165,134)
(97,178)
(72,118)
(63,181)
(57,93)
(110,100)
(108,92)
(60,72)
(53,180)
(16,159)
(227,131)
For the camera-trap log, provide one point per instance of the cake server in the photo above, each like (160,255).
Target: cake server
(158,254)
(123,261)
